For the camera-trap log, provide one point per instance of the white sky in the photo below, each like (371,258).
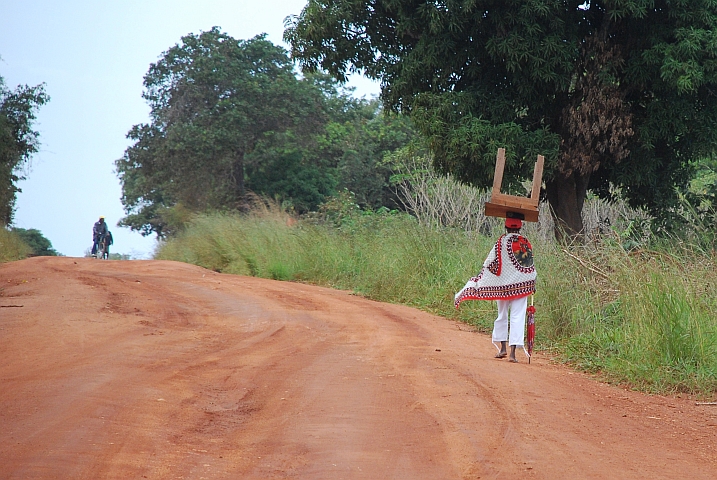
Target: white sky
(93,55)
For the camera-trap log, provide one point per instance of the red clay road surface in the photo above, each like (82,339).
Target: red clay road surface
(161,370)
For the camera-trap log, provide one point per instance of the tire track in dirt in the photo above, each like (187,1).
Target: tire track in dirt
(165,370)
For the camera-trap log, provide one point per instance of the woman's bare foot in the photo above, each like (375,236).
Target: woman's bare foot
(503,352)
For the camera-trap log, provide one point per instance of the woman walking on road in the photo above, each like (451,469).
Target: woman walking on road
(508,276)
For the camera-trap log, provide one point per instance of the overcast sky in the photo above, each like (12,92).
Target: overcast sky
(92,56)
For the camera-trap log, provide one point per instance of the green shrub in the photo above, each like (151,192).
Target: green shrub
(39,245)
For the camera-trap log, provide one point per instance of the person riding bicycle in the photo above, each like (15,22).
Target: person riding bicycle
(99,230)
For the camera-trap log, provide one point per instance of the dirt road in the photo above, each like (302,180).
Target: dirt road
(162,370)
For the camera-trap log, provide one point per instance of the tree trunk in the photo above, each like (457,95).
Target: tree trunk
(566,195)
(238,178)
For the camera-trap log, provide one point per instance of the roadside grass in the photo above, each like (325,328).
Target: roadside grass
(642,318)
(651,321)
(12,247)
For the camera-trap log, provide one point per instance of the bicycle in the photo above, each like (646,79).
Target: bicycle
(103,247)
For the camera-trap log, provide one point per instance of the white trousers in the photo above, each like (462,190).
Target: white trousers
(516,309)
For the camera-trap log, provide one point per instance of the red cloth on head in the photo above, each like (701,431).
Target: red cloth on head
(513,223)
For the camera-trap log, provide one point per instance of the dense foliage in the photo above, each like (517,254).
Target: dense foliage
(40,246)
(345,153)
(18,140)
(612,92)
(230,116)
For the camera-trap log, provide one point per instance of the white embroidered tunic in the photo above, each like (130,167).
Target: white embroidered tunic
(507,273)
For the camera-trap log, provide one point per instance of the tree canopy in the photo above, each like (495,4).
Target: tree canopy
(212,99)
(345,153)
(18,140)
(228,116)
(612,92)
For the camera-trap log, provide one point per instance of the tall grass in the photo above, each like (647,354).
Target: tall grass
(387,257)
(12,247)
(647,318)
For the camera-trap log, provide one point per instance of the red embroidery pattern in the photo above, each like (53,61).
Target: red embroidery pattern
(509,292)
(520,253)
(494,267)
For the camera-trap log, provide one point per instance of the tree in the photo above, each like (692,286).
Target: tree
(284,168)
(40,245)
(213,99)
(363,149)
(298,166)
(18,140)
(296,139)
(612,92)
(347,152)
